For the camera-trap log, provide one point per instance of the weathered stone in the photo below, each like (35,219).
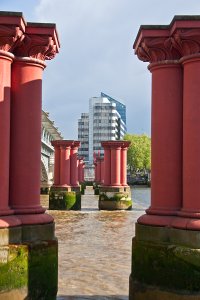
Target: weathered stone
(38,232)
(12,235)
(29,270)
(60,199)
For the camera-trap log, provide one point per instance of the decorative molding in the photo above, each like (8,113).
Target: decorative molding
(37,46)
(10,36)
(187,41)
(157,49)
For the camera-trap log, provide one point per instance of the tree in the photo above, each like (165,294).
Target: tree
(139,152)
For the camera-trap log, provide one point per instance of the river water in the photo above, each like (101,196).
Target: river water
(95,248)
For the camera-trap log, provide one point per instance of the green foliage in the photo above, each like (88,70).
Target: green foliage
(139,152)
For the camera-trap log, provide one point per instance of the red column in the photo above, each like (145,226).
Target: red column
(102,172)
(98,169)
(40,43)
(26,135)
(95,171)
(65,164)
(80,170)
(166,160)
(56,163)
(73,163)
(115,165)
(11,30)
(107,165)
(83,176)
(191,138)
(124,164)
(5,86)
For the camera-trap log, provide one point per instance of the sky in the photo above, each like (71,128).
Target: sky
(96,55)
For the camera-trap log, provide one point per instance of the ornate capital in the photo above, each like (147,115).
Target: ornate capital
(9,37)
(186,41)
(37,46)
(157,49)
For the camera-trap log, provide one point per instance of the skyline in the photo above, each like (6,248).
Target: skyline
(96,55)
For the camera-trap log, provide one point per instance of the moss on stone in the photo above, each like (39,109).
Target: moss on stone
(166,266)
(43,270)
(14,270)
(63,200)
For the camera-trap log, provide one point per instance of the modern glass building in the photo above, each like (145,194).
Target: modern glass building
(104,122)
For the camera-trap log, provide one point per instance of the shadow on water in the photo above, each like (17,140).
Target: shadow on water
(94,297)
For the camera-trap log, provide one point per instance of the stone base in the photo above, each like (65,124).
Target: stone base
(65,198)
(28,266)
(165,264)
(140,291)
(114,198)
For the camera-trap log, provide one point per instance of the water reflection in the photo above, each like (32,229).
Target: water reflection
(95,249)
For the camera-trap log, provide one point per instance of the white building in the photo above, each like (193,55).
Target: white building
(49,133)
(106,121)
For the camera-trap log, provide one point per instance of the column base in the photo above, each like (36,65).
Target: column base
(115,198)
(165,264)
(28,262)
(64,198)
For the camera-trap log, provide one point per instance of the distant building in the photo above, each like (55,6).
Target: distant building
(83,136)
(106,121)
(49,133)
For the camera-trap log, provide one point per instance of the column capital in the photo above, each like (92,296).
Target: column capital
(115,144)
(40,42)
(12,27)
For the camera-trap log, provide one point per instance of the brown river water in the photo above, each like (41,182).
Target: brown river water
(95,248)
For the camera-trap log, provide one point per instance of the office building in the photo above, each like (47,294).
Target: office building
(106,121)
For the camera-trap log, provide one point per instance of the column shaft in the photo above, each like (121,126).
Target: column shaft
(107,166)
(124,166)
(73,166)
(65,166)
(115,166)
(5,87)
(25,153)
(102,172)
(191,139)
(166,175)
(57,166)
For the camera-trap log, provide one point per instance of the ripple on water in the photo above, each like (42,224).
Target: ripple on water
(95,250)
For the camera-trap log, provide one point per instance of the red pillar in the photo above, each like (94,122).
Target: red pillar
(83,176)
(65,164)
(102,172)
(5,86)
(12,30)
(73,164)
(166,160)
(80,170)
(124,163)
(98,170)
(167,83)
(107,165)
(40,43)
(115,165)
(191,138)
(56,163)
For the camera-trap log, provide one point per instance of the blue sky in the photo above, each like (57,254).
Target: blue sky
(96,54)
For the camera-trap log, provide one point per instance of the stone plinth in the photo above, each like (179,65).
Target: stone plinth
(63,198)
(166,248)
(114,193)
(65,193)
(29,262)
(28,246)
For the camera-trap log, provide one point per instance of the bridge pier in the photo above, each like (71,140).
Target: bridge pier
(165,255)
(114,193)
(65,193)
(28,246)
